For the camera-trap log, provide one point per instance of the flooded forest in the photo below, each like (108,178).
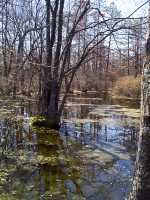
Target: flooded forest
(74,100)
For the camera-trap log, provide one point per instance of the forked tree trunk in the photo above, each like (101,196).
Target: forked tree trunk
(50,87)
(56,68)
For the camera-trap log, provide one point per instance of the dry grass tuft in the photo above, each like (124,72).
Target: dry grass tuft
(128,86)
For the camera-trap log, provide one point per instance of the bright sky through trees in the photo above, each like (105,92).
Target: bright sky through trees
(128,6)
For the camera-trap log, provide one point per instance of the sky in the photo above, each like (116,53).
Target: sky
(128,6)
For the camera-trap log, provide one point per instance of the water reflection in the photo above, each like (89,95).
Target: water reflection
(89,159)
(109,123)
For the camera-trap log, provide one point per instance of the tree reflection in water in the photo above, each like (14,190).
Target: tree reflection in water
(75,163)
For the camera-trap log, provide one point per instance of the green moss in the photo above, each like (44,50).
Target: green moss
(36,119)
(5,196)
(42,121)
(52,161)
(3,177)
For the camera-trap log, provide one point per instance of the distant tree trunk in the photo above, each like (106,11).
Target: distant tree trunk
(107,68)
(19,66)
(4,31)
(128,53)
(137,48)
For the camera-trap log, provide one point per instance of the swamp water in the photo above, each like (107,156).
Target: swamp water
(90,158)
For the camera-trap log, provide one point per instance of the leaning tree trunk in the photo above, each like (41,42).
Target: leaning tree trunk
(141,182)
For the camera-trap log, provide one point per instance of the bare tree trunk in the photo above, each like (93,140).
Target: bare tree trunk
(141,182)
(4,36)
(107,68)
(50,96)
(128,53)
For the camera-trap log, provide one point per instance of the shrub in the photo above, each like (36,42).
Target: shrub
(5,87)
(128,86)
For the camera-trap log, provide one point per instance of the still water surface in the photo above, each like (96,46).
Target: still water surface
(90,158)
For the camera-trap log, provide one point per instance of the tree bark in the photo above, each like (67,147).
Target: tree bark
(141,182)
(50,94)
